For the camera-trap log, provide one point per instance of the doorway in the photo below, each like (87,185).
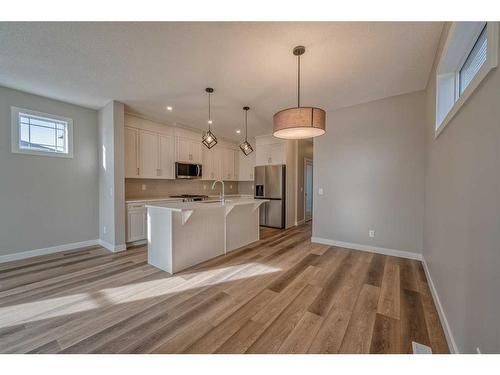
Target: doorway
(308,189)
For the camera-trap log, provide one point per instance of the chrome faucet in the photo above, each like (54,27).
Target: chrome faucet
(221,195)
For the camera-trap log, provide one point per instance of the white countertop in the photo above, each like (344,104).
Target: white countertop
(208,204)
(142,200)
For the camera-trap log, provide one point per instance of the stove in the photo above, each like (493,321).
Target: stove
(190,197)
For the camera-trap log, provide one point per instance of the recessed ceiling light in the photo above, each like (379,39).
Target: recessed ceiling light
(169,108)
(238,131)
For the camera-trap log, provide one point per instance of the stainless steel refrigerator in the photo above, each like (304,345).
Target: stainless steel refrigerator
(270,183)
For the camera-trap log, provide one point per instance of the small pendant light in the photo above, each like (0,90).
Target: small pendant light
(209,139)
(245,146)
(299,122)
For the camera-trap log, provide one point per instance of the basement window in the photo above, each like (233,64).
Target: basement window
(37,133)
(469,53)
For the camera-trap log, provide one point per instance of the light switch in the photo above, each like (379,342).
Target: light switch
(320,191)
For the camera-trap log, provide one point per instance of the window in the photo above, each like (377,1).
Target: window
(469,53)
(476,59)
(39,133)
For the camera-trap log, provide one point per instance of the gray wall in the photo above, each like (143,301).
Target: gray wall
(462,216)
(47,201)
(112,175)
(370,164)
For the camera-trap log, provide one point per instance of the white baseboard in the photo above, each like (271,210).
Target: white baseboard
(300,222)
(111,247)
(136,243)
(442,317)
(371,249)
(46,250)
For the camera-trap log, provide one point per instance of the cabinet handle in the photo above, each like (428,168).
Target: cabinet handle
(137,170)
(269,160)
(158,172)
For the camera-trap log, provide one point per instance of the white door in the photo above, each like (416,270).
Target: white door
(166,158)
(308,189)
(131,165)
(148,154)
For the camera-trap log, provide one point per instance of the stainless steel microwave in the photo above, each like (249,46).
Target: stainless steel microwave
(186,170)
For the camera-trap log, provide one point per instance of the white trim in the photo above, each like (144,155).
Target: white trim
(306,160)
(136,243)
(47,250)
(14,113)
(111,247)
(371,249)
(491,63)
(300,222)
(442,317)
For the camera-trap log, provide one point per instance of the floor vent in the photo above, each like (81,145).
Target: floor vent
(420,348)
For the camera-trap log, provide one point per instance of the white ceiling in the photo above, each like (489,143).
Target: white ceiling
(148,66)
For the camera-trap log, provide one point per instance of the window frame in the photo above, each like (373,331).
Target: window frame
(16,130)
(460,41)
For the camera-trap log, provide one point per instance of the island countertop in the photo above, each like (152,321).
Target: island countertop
(208,204)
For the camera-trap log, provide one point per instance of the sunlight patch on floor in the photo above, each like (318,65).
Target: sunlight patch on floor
(60,306)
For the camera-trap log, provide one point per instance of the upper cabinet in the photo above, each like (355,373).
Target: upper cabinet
(188,146)
(211,164)
(149,149)
(131,154)
(246,166)
(270,150)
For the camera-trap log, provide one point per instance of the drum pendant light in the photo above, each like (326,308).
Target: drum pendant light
(299,122)
(245,146)
(209,139)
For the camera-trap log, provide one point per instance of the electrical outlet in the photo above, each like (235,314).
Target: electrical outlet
(230,187)
(204,187)
(478,351)
(320,191)
(371,233)
(143,187)
(104,230)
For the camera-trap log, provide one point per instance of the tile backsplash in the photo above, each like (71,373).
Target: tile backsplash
(165,188)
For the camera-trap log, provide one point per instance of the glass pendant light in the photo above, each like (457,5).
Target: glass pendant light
(245,146)
(299,122)
(209,139)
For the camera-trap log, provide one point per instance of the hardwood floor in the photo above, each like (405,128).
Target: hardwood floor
(282,294)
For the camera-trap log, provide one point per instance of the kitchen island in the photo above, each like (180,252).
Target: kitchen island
(183,234)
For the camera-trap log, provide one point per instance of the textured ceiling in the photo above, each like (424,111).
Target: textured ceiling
(148,66)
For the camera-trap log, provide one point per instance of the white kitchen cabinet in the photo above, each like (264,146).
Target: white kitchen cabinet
(211,164)
(188,150)
(166,156)
(148,154)
(228,164)
(131,154)
(246,166)
(136,222)
(269,152)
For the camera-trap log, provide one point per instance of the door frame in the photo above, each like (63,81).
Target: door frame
(306,161)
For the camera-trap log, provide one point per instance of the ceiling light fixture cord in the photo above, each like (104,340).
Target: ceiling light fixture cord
(209,113)
(298,83)
(246,124)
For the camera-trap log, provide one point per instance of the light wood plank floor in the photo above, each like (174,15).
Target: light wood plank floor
(282,294)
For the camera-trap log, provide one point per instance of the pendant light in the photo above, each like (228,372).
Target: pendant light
(209,139)
(245,146)
(299,122)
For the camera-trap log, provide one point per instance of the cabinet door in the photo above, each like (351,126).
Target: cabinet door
(277,153)
(136,225)
(207,164)
(148,154)
(182,150)
(228,164)
(246,166)
(131,154)
(166,157)
(263,154)
(217,156)
(195,151)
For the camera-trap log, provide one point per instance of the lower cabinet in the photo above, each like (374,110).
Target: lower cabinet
(136,222)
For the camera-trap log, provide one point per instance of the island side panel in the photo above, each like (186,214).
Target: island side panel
(197,239)
(242,226)
(160,238)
